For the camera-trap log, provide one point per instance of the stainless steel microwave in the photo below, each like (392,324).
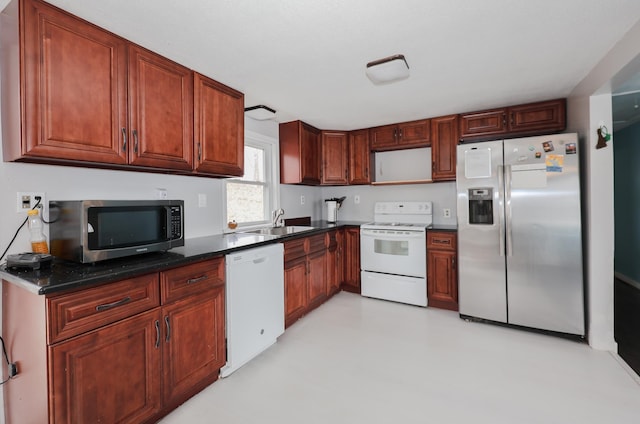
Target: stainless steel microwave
(89,231)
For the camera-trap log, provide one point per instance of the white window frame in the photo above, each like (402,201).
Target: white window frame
(272,175)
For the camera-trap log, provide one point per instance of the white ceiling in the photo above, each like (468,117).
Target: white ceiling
(306,58)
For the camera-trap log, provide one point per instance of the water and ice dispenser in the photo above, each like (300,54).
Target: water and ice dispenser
(481,206)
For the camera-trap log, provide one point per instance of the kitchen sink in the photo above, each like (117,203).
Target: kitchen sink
(280,231)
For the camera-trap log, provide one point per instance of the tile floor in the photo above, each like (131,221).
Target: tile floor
(359,360)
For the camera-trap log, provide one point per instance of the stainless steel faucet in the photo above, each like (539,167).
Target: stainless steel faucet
(276,214)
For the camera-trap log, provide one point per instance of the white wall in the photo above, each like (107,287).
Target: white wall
(589,107)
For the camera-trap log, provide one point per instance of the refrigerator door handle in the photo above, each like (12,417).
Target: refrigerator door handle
(501,222)
(507,201)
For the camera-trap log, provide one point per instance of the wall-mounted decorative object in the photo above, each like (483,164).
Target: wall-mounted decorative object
(603,137)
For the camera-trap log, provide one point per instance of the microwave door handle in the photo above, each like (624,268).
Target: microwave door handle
(167,210)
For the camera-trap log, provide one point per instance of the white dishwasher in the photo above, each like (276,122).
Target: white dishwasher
(254,303)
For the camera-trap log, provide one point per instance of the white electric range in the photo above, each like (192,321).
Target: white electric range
(393,252)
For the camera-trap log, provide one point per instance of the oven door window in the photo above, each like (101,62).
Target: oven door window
(391,247)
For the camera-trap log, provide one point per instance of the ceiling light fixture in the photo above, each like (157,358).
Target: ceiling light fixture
(260,112)
(387,70)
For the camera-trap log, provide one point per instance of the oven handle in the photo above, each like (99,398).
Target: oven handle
(392,236)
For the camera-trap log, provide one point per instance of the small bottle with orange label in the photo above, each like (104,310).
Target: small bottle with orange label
(38,240)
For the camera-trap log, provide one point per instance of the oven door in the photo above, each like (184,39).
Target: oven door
(399,252)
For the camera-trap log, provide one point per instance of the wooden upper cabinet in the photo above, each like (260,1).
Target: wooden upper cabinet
(79,94)
(483,124)
(383,137)
(219,128)
(535,117)
(415,134)
(359,158)
(299,153)
(335,160)
(526,119)
(160,111)
(444,141)
(74,80)
(401,136)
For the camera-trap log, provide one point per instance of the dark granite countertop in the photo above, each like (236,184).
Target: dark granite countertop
(65,275)
(443,227)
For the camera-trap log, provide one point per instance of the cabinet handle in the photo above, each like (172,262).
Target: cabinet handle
(199,151)
(166,322)
(441,241)
(395,133)
(366,172)
(135,141)
(197,279)
(512,118)
(106,306)
(400,134)
(504,119)
(124,139)
(157,334)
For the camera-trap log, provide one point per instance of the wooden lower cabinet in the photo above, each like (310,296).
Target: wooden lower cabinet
(295,289)
(194,347)
(111,375)
(313,272)
(317,278)
(442,275)
(133,369)
(351,280)
(335,261)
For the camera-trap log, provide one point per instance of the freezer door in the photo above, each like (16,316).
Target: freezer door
(481,260)
(543,233)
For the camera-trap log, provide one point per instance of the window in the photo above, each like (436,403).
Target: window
(251,198)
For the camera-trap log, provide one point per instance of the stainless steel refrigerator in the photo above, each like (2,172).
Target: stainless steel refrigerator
(520,232)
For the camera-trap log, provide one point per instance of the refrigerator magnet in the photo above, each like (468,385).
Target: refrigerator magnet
(554,163)
(548,146)
(571,149)
(538,155)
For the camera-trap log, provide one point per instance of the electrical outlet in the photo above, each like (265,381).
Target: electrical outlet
(356,199)
(202,200)
(27,200)
(302,200)
(446,212)
(161,193)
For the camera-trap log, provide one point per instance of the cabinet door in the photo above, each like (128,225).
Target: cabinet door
(383,137)
(317,278)
(352,260)
(442,287)
(536,117)
(359,157)
(442,275)
(483,124)
(334,158)
(310,151)
(443,147)
(415,133)
(194,344)
(295,289)
(75,77)
(160,111)
(108,375)
(334,262)
(219,128)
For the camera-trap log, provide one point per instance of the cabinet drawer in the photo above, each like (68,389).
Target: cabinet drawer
(294,249)
(316,243)
(78,312)
(191,279)
(441,240)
